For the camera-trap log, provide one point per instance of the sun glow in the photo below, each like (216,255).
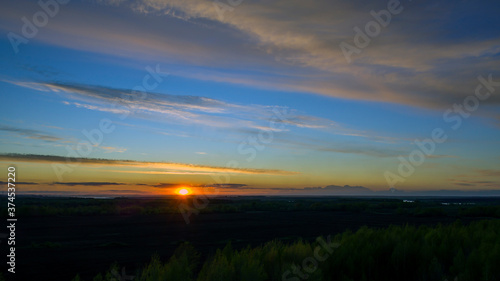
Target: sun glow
(183,191)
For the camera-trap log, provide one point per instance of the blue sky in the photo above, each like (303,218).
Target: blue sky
(221,78)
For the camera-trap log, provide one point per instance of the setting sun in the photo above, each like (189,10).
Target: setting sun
(183,191)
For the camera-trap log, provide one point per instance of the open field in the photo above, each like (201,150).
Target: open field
(57,247)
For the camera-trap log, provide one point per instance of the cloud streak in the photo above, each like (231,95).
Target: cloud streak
(30,134)
(160,167)
(217,115)
(87,183)
(19,182)
(187,110)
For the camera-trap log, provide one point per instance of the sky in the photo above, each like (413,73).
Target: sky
(241,97)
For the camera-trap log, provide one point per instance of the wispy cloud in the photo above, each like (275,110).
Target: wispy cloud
(481,183)
(413,63)
(177,185)
(110,149)
(126,191)
(178,109)
(166,185)
(31,134)
(20,183)
(489,173)
(479,178)
(480,173)
(336,189)
(87,183)
(374,150)
(155,167)
(229,185)
(162,172)
(202,111)
(311,39)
